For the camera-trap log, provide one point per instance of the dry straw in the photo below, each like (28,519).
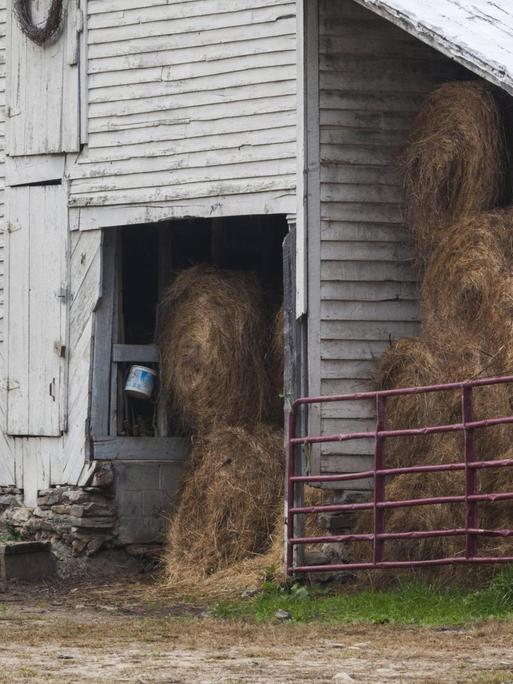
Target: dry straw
(467,281)
(455,163)
(455,168)
(410,362)
(229,500)
(211,335)
(248,572)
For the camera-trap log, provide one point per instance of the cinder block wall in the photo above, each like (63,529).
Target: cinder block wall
(145,491)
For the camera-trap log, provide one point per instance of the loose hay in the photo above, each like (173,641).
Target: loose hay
(229,500)
(455,163)
(455,172)
(275,365)
(419,361)
(211,335)
(410,362)
(468,279)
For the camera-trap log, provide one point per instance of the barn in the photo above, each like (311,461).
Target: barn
(142,136)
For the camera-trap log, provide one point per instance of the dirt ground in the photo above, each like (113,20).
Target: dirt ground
(131,632)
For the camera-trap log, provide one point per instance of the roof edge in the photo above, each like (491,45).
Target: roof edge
(463,54)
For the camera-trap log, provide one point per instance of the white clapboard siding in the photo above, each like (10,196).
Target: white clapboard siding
(43,87)
(372,78)
(36,339)
(190,104)
(7,469)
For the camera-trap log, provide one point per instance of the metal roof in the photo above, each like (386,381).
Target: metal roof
(476,33)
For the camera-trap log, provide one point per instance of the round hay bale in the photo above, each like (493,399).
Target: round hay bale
(229,500)
(410,362)
(422,518)
(418,518)
(455,162)
(468,280)
(212,339)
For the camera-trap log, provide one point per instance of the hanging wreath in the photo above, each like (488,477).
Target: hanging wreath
(39,33)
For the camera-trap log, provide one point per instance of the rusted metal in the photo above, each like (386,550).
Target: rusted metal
(469,465)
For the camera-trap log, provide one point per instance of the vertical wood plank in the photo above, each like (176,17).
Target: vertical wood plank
(313,213)
(37,309)
(301,284)
(43,90)
(17,312)
(28,449)
(46,304)
(100,401)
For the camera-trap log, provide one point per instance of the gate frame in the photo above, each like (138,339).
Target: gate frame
(379,473)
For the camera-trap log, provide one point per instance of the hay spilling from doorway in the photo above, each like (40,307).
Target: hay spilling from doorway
(212,339)
(455,163)
(229,500)
(246,574)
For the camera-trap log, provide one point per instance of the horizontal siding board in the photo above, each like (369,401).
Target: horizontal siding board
(125,14)
(215,83)
(189,39)
(368,271)
(124,142)
(209,190)
(159,25)
(280,104)
(395,310)
(181,177)
(227,98)
(377,331)
(203,57)
(365,251)
(133,75)
(366,292)
(345,231)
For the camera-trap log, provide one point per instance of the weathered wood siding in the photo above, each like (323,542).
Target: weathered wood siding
(191,110)
(372,77)
(43,86)
(37,305)
(475,32)
(7,474)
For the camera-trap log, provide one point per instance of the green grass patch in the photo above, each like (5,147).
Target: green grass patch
(412,603)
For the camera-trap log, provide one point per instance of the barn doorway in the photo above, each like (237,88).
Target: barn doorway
(139,263)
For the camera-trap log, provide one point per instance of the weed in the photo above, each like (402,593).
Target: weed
(9,534)
(413,603)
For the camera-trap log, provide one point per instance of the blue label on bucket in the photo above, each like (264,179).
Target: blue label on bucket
(141,381)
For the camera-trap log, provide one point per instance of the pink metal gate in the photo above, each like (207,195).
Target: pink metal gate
(379,472)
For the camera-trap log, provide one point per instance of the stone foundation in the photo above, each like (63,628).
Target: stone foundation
(122,507)
(83,518)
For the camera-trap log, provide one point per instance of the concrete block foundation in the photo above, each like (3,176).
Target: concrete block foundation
(26,561)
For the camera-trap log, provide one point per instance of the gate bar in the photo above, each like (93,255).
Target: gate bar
(406,470)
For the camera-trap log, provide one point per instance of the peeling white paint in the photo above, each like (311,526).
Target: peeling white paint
(476,33)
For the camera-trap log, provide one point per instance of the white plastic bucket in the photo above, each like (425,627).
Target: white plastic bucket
(141,382)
